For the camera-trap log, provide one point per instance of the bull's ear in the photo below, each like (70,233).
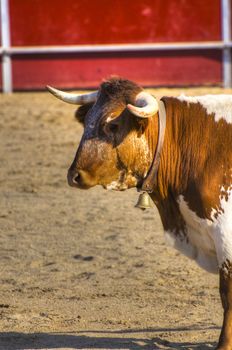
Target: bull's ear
(82,111)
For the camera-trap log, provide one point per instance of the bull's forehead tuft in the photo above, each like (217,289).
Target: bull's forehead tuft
(122,89)
(114,94)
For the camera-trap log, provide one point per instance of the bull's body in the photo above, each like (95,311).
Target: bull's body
(196,209)
(193,188)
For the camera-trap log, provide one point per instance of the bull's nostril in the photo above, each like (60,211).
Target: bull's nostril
(76,178)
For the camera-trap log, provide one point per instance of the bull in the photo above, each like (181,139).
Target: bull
(186,166)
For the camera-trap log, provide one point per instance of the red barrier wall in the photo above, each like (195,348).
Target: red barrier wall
(55,22)
(89,70)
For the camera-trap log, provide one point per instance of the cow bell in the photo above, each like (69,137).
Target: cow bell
(144,201)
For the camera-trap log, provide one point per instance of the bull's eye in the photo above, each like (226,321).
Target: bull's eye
(110,128)
(113,127)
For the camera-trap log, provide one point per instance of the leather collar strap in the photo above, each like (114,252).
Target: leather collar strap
(149,181)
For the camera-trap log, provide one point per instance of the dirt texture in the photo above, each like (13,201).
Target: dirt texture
(85,269)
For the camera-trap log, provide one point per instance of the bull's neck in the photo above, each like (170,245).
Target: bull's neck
(173,173)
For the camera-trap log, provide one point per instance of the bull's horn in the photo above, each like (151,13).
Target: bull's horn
(145,105)
(76,99)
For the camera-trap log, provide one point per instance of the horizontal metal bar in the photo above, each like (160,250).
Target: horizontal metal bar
(21,50)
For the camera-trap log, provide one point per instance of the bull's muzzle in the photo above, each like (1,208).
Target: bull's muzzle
(80,179)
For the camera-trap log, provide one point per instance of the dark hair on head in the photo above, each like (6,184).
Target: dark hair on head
(120,89)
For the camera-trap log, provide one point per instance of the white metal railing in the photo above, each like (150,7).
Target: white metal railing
(21,50)
(226,37)
(5,36)
(7,51)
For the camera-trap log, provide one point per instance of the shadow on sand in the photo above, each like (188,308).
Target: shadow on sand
(134,339)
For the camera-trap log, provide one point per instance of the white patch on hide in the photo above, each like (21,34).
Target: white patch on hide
(180,243)
(207,261)
(208,242)
(220,105)
(223,227)
(199,234)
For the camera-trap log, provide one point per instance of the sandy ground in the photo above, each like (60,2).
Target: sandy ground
(85,269)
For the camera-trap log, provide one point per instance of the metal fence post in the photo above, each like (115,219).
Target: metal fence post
(226,37)
(5,36)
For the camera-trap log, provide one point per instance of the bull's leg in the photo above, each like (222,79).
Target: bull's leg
(225,340)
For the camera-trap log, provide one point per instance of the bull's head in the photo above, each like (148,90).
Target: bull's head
(117,148)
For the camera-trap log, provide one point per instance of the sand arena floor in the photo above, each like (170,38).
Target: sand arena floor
(86,270)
